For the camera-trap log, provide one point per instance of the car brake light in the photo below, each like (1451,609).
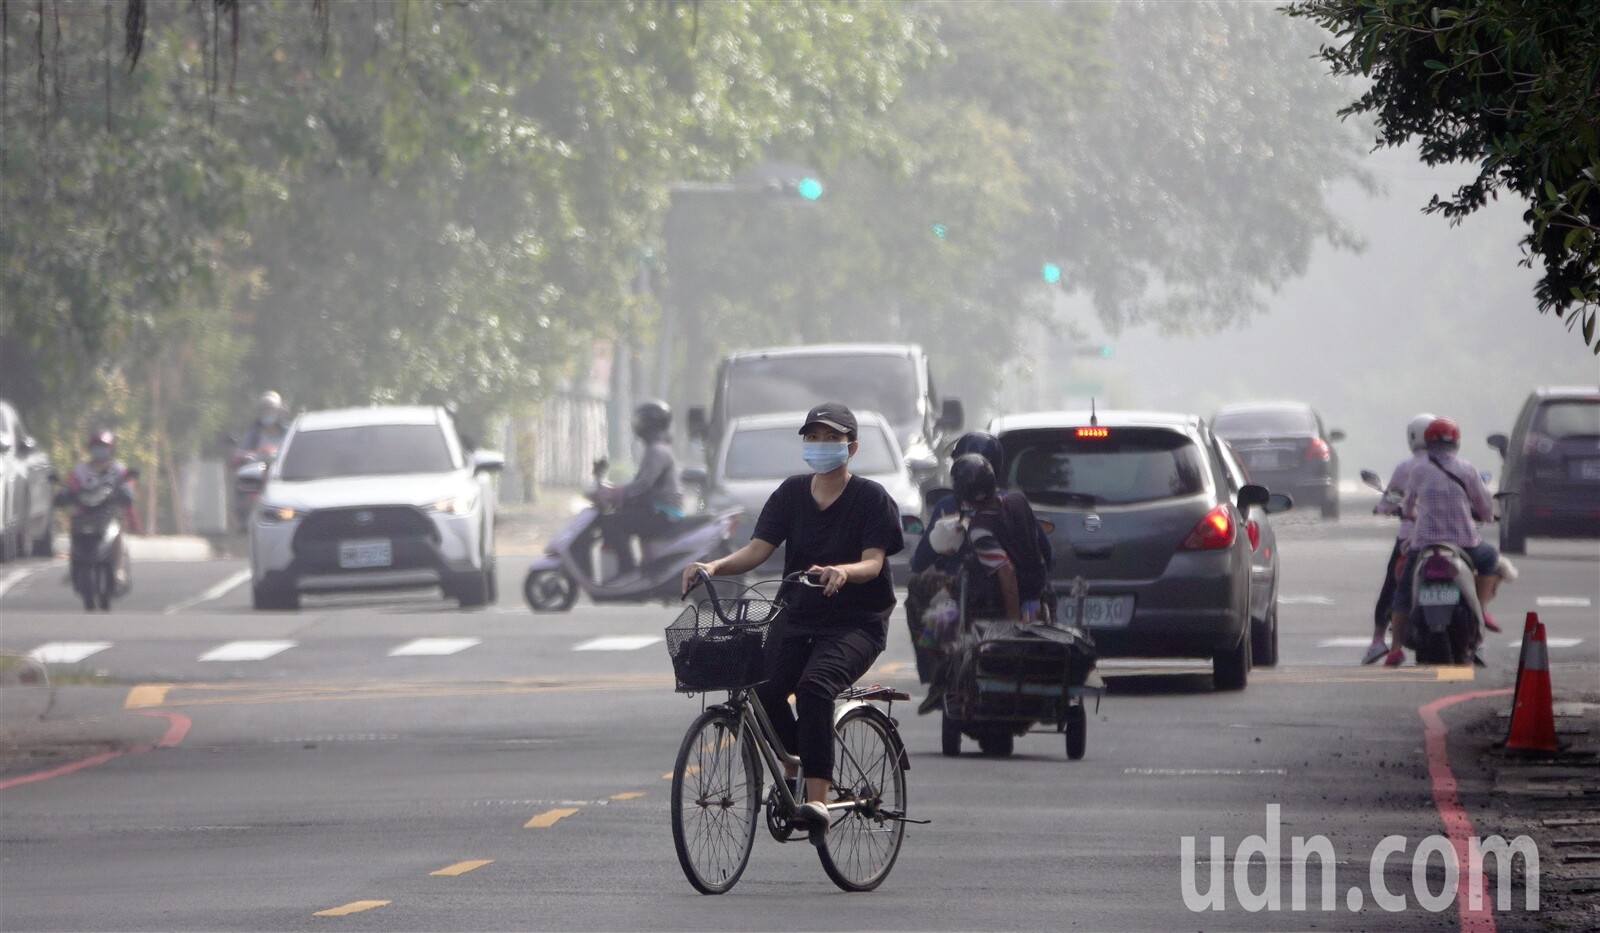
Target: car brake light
(1253,529)
(1094,432)
(1318,449)
(1211,533)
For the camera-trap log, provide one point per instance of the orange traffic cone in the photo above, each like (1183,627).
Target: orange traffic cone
(1533,717)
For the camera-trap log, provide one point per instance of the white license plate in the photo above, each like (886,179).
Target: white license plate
(1586,469)
(1438,594)
(372,552)
(1101,611)
(1262,460)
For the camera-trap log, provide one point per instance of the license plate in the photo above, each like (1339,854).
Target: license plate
(1101,611)
(1262,460)
(1587,469)
(373,552)
(1438,594)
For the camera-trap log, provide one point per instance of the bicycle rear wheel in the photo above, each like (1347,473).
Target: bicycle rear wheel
(862,844)
(716,787)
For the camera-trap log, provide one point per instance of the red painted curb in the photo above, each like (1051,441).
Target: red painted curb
(1456,822)
(177,727)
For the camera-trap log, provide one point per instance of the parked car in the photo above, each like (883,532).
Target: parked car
(25,493)
(1153,511)
(373,498)
(1552,468)
(1285,447)
(891,379)
(759,451)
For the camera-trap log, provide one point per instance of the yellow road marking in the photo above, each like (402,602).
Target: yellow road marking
(692,769)
(1365,675)
(354,907)
(1456,672)
(144,695)
(548,818)
(235,694)
(628,795)
(461,868)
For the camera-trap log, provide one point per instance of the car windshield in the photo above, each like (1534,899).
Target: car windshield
(884,384)
(1125,466)
(1569,419)
(367,450)
(1263,422)
(774,453)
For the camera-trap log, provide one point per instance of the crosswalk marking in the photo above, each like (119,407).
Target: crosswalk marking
(1304,601)
(1554,602)
(67,652)
(434,646)
(1351,642)
(16,576)
(618,643)
(246,650)
(1552,642)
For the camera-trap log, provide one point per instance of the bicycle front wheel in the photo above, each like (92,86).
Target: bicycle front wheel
(863,843)
(716,786)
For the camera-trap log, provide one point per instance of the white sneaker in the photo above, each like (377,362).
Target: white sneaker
(812,815)
(1375,651)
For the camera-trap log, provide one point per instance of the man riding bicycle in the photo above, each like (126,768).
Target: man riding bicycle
(840,529)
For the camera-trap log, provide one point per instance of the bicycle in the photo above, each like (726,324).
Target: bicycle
(721,644)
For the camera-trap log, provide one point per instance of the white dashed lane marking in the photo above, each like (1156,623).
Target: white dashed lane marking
(1552,642)
(16,576)
(1304,601)
(618,643)
(434,646)
(246,650)
(67,652)
(221,589)
(1353,642)
(1562,602)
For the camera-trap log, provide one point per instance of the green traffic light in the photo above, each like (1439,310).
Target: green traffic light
(1051,273)
(1105,351)
(809,188)
(939,230)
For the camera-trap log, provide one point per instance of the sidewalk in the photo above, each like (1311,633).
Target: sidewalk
(44,727)
(156,547)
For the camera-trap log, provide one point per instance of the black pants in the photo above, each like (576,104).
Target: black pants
(619,527)
(815,665)
(1380,612)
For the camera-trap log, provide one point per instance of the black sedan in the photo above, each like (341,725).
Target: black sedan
(1285,446)
(1152,510)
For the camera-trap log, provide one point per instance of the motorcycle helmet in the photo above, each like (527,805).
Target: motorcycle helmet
(101,443)
(979,442)
(1415,430)
(1442,431)
(269,407)
(972,477)
(651,418)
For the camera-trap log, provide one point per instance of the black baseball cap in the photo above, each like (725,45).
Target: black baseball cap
(833,415)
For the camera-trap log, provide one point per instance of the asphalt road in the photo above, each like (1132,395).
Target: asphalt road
(364,755)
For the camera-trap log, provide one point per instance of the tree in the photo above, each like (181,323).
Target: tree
(1507,84)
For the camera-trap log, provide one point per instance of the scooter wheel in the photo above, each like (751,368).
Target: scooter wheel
(550,590)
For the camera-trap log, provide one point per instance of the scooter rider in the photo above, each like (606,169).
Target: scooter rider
(100,469)
(267,430)
(1393,494)
(1445,499)
(650,504)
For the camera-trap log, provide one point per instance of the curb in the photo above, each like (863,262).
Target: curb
(157,547)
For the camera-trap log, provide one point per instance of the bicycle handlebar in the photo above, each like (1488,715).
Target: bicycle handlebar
(701,578)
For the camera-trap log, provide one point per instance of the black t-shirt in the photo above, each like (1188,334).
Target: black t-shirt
(864,516)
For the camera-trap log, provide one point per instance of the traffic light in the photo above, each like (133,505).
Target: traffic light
(1051,273)
(808,188)
(940,231)
(1105,351)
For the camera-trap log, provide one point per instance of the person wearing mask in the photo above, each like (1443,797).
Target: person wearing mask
(266,432)
(100,469)
(648,506)
(1445,500)
(840,529)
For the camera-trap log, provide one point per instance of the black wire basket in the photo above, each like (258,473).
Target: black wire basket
(722,644)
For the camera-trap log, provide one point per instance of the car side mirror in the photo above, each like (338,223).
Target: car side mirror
(697,422)
(251,477)
(911,524)
(952,415)
(488,461)
(1372,479)
(1251,494)
(935,495)
(1336,435)
(1499,442)
(695,475)
(1278,502)
(920,466)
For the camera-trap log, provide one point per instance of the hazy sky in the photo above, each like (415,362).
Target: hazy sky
(1427,317)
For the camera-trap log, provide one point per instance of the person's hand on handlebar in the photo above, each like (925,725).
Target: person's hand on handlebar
(691,575)
(831,578)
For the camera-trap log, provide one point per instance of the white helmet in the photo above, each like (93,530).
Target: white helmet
(1415,430)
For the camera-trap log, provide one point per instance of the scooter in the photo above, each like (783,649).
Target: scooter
(1446,621)
(98,560)
(574,561)
(245,500)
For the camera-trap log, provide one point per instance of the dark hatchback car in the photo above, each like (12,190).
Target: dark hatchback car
(1552,468)
(1152,510)
(1286,448)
